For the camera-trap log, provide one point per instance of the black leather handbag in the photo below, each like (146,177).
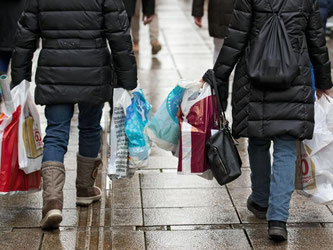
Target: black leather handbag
(221,150)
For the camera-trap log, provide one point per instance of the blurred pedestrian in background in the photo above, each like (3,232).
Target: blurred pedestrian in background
(148,9)
(326,11)
(10,12)
(153,30)
(219,15)
(266,115)
(74,66)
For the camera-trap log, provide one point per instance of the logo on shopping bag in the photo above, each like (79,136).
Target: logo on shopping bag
(308,171)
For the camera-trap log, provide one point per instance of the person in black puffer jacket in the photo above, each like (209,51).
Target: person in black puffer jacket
(10,12)
(279,116)
(74,66)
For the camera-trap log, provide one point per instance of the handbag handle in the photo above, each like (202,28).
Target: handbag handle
(210,78)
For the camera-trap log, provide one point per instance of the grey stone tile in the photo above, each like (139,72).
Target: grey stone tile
(128,240)
(20,217)
(69,199)
(298,238)
(173,180)
(244,181)
(213,239)
(126,217)
(126,199)
(61,239)
(190,216)
(70,180)
(33,200)
(310,214)
(185,197)
(239,196)
(25,239)
(163,162)
(125,184)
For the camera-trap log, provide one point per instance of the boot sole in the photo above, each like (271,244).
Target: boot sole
(277,234)
(52,219)
(86,201)
(257,213)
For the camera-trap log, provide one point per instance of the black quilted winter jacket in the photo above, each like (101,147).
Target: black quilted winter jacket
(75,64)
(259,113)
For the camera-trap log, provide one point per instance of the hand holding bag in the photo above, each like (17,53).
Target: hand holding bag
(221,150)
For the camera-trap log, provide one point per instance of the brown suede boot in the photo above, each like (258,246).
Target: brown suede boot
(86,192)
(53,174)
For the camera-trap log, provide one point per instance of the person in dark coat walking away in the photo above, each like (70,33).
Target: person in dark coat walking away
(281,116)
(10,12)
(326,11)
(74,66)
(148,9)
(219,15)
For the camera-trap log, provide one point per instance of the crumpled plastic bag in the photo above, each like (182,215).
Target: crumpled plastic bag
(163,129)
(314,172)
(138,113)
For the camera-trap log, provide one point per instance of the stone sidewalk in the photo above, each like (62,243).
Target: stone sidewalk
(158,209)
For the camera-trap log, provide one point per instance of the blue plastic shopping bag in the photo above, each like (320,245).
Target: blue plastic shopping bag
(163,129)
(137,116)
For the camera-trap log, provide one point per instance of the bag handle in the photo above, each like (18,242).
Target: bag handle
(282,6)
(210,78)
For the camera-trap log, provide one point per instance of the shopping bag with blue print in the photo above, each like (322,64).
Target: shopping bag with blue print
(163,129)
(138,114)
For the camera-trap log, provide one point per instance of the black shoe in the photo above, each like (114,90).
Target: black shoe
(277,230)
(258,211)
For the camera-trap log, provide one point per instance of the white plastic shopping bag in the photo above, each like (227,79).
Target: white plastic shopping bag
(315,168)
(163,129)
(30,136)
(12,179)
(196,122)
(118,161)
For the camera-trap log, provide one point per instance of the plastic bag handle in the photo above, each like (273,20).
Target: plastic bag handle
(211,80)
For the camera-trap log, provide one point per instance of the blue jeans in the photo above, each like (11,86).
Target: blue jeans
(4,61)
(272,187)
(59,118)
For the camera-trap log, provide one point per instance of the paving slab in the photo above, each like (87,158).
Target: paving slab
(128,240)
(21,239)
(298,238)
(153,198)
(124,184)
(174,180)
(213,239)
(126,199)
(65,238)
(190,216)
(19,217)
(126,217)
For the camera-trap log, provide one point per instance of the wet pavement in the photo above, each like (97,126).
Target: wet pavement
(158,209)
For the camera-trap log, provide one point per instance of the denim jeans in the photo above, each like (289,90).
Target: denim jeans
(59,118)
(273,185)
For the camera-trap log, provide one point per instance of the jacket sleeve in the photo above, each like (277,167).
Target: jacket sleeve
(317,49)
(117,30)
(235,41)
(148,7)
(27,36)
(198,8)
